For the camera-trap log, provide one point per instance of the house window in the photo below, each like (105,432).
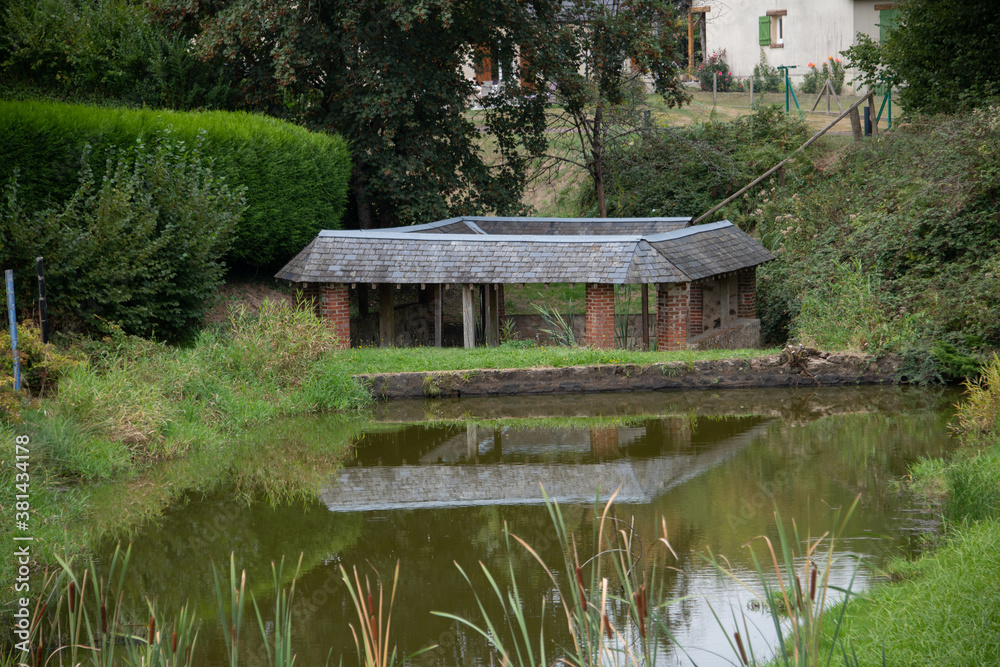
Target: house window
(772,28)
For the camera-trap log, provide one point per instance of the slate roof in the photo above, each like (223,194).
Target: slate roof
(550,226)
(461,251)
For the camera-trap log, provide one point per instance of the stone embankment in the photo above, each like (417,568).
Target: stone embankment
(794,367)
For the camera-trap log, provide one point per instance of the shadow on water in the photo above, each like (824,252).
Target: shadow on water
(433,483)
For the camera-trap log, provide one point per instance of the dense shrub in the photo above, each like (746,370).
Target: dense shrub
(766,79)
(916,215)
(103,50)
(831,69)
(295,180)
(686,171)
(716,66)
(142,247)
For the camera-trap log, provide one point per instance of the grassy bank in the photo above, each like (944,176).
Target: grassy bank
(946,610)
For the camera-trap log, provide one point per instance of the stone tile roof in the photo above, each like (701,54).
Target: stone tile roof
(434,254)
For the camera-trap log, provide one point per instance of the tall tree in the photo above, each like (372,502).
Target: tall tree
(603,57)
(387,75)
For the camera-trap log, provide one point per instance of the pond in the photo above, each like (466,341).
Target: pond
(431,484)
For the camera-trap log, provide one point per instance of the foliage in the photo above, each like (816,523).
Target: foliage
(814,79)
(917,211)
(388,77)
(715,66)
(559,329)
(802,596)
(978,417)
(103,50)
(41,366)
(614,613)
(686,171)
(142,247)
(295,181)
(137,400)
(852,312)
(766,79)
(936,54)
(600,94)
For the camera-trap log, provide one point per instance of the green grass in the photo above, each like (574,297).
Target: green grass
(404,360)
(947,614)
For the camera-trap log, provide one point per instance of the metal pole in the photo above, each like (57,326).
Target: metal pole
(43,309)
(12,318)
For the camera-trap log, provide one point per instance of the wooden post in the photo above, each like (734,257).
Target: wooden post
(871,112)
(12,318)
(468,317)
(386,316)
(781,176)
(43,309)
(488,314)
(690,44)
(856,123)
(492,315)
(482,312)
(363,300)
(438,315)
(645,316)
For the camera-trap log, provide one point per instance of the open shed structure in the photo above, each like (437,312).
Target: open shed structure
(705,275)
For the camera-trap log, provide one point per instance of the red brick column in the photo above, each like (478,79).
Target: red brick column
(335,310)
(307,294)
(600,304)
(746,293)
(696,325)
(671,316)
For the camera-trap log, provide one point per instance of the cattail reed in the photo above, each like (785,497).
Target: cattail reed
(72,597)
(607,626)
(173,642)
(152,629)
(798,592)
(371,622)
(39,655)
(371,602)
(739,645)
(640,608)
(38,618)
(104,618)
(812,583)
(579,581)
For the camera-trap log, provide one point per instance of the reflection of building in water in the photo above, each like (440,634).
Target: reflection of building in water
(506,467)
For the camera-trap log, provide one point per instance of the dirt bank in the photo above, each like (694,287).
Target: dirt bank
(792,368)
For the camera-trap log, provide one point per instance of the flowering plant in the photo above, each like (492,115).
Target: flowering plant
(832,69)
(716,63)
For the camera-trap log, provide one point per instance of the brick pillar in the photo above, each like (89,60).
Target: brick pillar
(746,299)
(671,316)
(696,324)
(307,294)
(600,304)
(336,311)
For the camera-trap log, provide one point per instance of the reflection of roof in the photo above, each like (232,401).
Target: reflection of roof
(528,250)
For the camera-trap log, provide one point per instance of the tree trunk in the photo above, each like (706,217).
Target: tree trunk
(363,206)
(597,155)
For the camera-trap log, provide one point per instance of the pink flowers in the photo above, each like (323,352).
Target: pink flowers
(812,64)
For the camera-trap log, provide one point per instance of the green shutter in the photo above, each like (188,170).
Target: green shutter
(887,20)
(764,22)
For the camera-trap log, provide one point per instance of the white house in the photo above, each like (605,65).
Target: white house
(791,32)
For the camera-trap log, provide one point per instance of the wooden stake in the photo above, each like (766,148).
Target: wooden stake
(468,317)
(43,309)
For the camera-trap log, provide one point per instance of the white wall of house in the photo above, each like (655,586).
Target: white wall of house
(812,30)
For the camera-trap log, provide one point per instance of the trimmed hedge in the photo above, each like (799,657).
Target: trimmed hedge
(295,180)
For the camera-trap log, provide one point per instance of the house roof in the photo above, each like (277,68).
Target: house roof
(468,250)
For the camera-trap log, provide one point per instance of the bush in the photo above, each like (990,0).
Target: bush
(814,79)
(141,248)
(716,65)
(295,180)
(766,79)
(686,171)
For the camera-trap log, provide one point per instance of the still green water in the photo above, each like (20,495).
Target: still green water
(432,484)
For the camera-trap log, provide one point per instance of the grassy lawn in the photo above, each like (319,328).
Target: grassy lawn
(403,360)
